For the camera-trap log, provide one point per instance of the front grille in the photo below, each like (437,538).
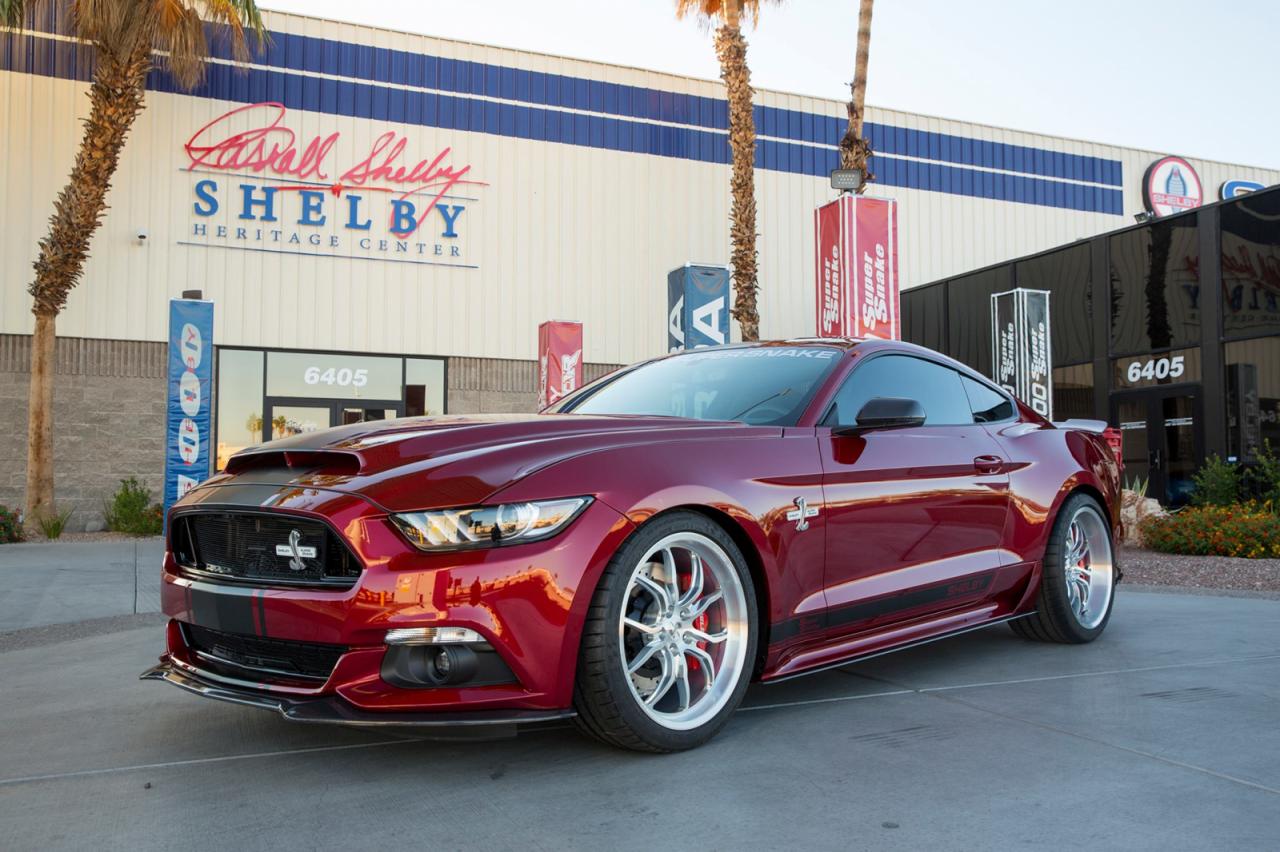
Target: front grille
(266,549)
(238,655)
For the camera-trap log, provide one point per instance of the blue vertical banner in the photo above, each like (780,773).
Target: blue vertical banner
(189,397)
(697,307)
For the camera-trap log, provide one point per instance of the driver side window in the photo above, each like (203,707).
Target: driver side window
(935,387)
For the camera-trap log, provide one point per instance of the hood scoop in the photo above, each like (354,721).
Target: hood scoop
(329,462)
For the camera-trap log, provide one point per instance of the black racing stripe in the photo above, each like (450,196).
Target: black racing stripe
(858,611)
(229,611)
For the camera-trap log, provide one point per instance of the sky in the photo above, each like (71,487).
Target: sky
(1172,76)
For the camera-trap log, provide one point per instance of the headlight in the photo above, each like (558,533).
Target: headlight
(488,526)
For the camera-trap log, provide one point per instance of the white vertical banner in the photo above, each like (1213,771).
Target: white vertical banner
(1021,347)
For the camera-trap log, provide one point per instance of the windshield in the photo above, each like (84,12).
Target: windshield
(767,385)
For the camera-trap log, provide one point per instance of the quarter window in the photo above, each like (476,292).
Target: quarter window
(987,405)
(935,387)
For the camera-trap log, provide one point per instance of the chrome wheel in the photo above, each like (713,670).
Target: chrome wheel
(1088,567)
(682,635)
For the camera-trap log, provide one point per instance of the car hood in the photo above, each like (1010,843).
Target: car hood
(435,462)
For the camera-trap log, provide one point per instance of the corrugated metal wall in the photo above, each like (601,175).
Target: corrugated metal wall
(584,227)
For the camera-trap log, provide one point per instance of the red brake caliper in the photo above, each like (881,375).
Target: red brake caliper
(699,623)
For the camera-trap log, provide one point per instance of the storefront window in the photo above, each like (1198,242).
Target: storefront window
(1065,274)
(969,315)
(239,401)
(1073,393)
(1251,265)
(309,391)
(423,387)
(315,374)
(1253,396)
(1155,287)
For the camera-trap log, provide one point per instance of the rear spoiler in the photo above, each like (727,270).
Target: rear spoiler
(1098,426)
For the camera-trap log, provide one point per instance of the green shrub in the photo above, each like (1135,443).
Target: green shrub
(131,510)
(1217,483)
(1245,530)
(52,525)
(1265,477)
(10,528)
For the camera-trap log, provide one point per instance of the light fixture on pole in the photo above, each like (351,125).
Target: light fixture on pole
(846,180)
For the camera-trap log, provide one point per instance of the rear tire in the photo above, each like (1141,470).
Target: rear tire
(1077,583)
(669,641)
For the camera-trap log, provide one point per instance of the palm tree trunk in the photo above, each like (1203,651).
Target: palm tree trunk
(40,422)
(731,49)
(116,97)
(854,149)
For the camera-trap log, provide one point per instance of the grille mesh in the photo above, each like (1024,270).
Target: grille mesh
(308,660)
(261,547)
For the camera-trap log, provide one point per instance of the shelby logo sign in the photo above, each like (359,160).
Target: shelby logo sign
(1171,186)
(856,240)
(186,457)
(261,185)
(1021,352)
(697,307)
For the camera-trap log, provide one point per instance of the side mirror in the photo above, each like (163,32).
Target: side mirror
(885,412)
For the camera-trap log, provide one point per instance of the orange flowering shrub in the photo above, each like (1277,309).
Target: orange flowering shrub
(1248,531)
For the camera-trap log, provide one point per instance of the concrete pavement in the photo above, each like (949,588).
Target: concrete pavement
(1164,734)
(62,582)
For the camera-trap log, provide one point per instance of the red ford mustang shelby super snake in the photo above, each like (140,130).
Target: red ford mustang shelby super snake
(635,556)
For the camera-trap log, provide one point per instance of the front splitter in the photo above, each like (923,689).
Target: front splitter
(331,710)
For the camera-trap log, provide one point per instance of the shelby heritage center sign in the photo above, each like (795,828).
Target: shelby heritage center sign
(259,183)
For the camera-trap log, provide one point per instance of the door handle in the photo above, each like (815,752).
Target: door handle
(1154,458)
(988,464)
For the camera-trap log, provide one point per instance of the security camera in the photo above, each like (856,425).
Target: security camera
(141,236)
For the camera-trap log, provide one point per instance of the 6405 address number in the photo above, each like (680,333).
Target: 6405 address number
(336,376)
(1156,368)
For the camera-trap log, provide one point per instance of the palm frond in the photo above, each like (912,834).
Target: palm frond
(721,10)
(12,12)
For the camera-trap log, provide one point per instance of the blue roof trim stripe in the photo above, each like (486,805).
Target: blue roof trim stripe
(397,67)
(46,57)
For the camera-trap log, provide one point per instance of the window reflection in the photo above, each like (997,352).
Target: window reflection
(423,386)
(1155,287)
(240,410)
(969,315)
(1073,392)
(1065,274)
(1253,397)
(1251,265)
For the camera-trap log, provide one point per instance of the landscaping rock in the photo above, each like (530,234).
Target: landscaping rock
(1134,509)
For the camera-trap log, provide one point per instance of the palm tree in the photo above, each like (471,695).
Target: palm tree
(854,148)
(731,50)
(126,35)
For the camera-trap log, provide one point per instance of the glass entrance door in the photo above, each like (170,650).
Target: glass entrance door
(287,417)
(1163,439)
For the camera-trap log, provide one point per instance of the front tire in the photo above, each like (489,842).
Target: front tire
(670,639)
(1078,580)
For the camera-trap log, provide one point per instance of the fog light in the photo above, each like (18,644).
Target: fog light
(433,636)
(444,663)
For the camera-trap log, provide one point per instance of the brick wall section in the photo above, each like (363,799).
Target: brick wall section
(109,411)
(108,416)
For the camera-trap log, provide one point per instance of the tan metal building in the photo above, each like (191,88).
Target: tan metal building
(361,199)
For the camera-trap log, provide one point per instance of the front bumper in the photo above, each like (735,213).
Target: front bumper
(329,709)
(523,600)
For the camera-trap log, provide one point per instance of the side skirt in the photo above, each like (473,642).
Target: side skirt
(859,656)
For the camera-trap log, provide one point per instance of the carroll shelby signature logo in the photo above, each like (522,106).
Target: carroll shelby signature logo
(271,147)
